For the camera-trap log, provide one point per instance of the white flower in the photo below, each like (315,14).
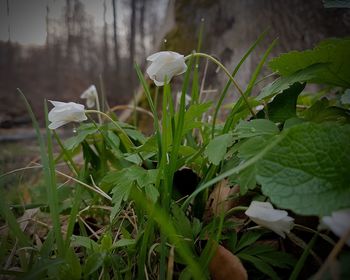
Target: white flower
(338,222)
(165,65)
(263,214)
(64,113)
(90,95)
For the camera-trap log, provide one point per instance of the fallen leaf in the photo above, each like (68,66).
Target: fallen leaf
(225,265)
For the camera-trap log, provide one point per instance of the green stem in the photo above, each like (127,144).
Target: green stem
(98,108)
(218,63)
(236,209)
(301,262)
(124,137)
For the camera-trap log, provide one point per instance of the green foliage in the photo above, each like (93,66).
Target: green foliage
(307,170)
(217,148)
(332,54)
(124,219)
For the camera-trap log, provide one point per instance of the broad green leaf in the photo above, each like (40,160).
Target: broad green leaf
(256,127)
(283,83)
(283,106)
(333,52)
(83,131)
(322,112)
(308,170)
(217,147)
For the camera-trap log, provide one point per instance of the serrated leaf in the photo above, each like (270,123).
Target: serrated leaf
(307,171)
(217,147)
(334,52)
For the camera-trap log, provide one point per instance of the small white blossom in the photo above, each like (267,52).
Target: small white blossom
(90,95)
(165,65)
(263,214)
(338,222)
(63,113)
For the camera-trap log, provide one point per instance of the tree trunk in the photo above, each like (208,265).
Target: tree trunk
(115,38)
(132,43)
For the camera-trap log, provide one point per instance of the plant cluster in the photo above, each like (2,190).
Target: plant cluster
(199,198)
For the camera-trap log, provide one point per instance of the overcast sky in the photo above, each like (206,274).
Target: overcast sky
(26,18)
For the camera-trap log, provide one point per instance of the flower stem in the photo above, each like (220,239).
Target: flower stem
(236,209)
(218,63)
(98,107)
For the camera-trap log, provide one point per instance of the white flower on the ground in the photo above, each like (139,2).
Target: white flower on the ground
(63,113)
(165,65)
(263,214)
(90,95)
(338,222)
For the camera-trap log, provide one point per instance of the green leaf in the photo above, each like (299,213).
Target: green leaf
(84,241)
(336,3)
(260,265)
(152,193)
(345,98)
(217,147)
(122,181)
(83,131)
(283,106)
(308,170)
(181,222)
(256,127)
(283,83)
(93,263)
(334,52)
(322,112)
(247,239)
(193,116)
(125,242)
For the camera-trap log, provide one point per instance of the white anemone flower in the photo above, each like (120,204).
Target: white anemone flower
(263,214)
(165,65)
(63,113)
(90,95)
(338,222)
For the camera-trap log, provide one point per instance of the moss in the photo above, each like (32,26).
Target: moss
(181,39)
